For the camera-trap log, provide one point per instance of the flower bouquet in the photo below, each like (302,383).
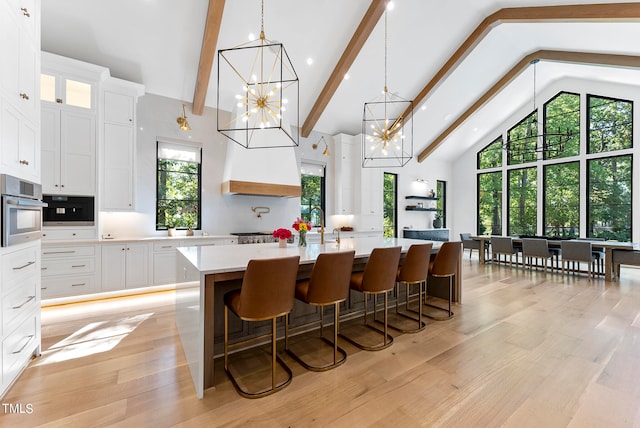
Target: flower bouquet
(302,227)
(282,235)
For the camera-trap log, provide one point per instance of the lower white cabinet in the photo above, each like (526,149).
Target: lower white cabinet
(20,308)
(124,265)
(68,270)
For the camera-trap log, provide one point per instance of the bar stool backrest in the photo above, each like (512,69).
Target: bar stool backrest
(579,251)
(268,288)
(446,261)
(416,263)
(330,277)
(381,269)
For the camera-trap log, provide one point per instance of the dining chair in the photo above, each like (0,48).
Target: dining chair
(624,257)
(577,251)
(266,293)
(535,248)
(503,245)
(472,244)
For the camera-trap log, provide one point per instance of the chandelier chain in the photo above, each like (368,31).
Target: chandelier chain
(262,21)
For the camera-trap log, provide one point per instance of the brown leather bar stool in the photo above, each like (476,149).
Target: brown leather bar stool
(445,265)
(267,293)
(328,285)
(378,277)
(414,270)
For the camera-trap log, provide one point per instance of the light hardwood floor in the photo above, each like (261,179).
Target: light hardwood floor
(524,350)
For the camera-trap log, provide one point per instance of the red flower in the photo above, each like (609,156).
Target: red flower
(282,233)
(300,224)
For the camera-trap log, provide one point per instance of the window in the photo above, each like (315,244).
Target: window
(609,198)
(312,182)
(441,203)
(562,200)
(522,201)
(562,113)
(178,186)
(490,203)
(491,156)
(610,124)
(390,205)
(522,140)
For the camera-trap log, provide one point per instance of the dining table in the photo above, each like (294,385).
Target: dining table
(204,273)
(608,247)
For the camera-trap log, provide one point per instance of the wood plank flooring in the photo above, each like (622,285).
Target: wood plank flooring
(524,350)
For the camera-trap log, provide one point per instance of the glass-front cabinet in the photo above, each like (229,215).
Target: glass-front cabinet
(66,91)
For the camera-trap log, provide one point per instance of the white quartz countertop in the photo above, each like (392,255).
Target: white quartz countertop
(218,259)
(137,239)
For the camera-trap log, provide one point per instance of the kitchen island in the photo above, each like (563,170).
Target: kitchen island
(204,274)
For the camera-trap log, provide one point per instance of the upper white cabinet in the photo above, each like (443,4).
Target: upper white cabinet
(345,158)
(20,143)
(119,145)
(68,152)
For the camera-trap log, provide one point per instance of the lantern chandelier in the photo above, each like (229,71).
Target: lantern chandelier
(264,112)
(518,146)
(387,126)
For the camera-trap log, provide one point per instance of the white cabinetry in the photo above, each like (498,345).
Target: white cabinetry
(125,265)
(20,307)
(19,102)
(68,152)
(346,157)
(68,270)
(119,145)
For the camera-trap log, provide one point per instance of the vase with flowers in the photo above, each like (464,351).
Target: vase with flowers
(282,235)
(302,227)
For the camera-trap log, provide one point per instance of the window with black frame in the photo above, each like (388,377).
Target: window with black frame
(390,205)
(312,181)
(178,189)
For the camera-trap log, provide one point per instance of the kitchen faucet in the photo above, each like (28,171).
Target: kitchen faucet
(321,223)
(337,229)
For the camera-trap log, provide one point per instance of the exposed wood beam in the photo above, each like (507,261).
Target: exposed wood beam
(207,53)
(362,33)
(545,55)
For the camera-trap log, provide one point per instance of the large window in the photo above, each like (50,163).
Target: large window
(491,156)
(610,124)
(312,182)
(390,205)
(490,203)
(441,203)
(562,200)
(178,186)
(609,198)
(561,114)
(523,201)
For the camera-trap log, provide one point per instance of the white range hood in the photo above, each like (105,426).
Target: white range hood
(262,172)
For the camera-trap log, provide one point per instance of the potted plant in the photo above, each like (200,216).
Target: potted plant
(437,220)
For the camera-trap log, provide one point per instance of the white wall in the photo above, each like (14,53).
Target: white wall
(223,214)
(464,170)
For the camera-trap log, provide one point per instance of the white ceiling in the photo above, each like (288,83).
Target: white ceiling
(157,43)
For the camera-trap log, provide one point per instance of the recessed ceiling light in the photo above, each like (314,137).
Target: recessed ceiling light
(475,129)
(390,5)
(252,37)
(309,61)
(449,116)
(424,107)
(346,76)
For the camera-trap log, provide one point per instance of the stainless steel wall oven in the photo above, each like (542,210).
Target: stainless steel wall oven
(21,210)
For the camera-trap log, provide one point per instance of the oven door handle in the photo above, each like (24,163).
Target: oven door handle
(26,203)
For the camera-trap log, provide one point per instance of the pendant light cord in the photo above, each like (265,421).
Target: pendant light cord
(262,22)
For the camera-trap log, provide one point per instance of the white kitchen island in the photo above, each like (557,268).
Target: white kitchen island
(201,269)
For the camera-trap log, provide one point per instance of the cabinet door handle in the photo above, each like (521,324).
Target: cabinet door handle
(31,336)
(59,100)
(60,252)
(167,246)
(27,301)
(77,266)
(43,288)
(25,12)
(24,162)
(24,96)
(79,285)
(24,266)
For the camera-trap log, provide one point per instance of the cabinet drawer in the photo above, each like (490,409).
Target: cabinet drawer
(65,267)
(19,304)
(165,246)
(18,347)
(17,266)
(68,234)
(68,286)
(70,251)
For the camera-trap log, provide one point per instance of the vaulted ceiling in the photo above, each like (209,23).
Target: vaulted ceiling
(464,61)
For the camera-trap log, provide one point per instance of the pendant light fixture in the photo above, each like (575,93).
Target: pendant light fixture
(258,84)
(521,147)
(387,126)
(326,146)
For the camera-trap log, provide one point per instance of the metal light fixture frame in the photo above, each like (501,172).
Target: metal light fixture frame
(266,111)
(387,126)
(325,152)
(543,143)
(182,121)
